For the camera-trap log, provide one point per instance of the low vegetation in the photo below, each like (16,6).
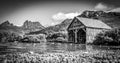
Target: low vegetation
(69,57)
(57,37)
(34,38)
(111,37)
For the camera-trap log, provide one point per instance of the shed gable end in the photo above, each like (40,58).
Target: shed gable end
(75,24)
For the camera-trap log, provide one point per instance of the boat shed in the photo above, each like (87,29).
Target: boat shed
(83,30)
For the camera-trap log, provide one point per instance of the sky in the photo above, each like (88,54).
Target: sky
(49,12)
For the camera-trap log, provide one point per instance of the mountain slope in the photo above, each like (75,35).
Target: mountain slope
(57,28)
(32,26)
(26,28)
(9,27)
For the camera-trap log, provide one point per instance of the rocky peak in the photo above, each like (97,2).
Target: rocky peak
(6,23)
(32,26)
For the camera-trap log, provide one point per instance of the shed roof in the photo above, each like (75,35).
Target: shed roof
(93,23)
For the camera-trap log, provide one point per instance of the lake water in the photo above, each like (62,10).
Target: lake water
(47,47)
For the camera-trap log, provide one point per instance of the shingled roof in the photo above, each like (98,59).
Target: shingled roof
(93,23)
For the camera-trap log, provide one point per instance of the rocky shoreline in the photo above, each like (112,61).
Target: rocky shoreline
(65,57)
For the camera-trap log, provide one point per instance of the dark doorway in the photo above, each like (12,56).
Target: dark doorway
(71,36)
(81,36)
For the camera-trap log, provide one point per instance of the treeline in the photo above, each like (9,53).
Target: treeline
(12,37)
(9,37)
(34,38)
(57,37)
(111,37)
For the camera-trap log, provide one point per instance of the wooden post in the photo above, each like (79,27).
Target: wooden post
(75,31)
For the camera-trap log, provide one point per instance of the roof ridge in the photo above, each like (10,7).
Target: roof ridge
(88,22)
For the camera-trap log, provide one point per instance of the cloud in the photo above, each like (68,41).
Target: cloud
(103,6)
(62,16)
(59,17)
(54,23)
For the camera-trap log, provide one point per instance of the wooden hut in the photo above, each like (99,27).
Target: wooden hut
(84,30)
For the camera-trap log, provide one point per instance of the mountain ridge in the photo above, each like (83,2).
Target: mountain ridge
(56,28)
(27,26)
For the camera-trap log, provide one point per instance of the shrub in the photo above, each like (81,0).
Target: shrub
(56,35)
(111,37)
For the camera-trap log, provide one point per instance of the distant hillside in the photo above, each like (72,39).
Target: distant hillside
(9,27)
(110,18)
(57,28)
(27,27)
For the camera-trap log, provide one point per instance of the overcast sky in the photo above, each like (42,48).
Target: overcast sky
(49,12)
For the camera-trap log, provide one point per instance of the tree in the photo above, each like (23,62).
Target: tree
(111,37)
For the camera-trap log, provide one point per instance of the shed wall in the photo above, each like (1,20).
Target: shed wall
(91,33)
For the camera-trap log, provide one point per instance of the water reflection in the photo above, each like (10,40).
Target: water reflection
(54,47)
